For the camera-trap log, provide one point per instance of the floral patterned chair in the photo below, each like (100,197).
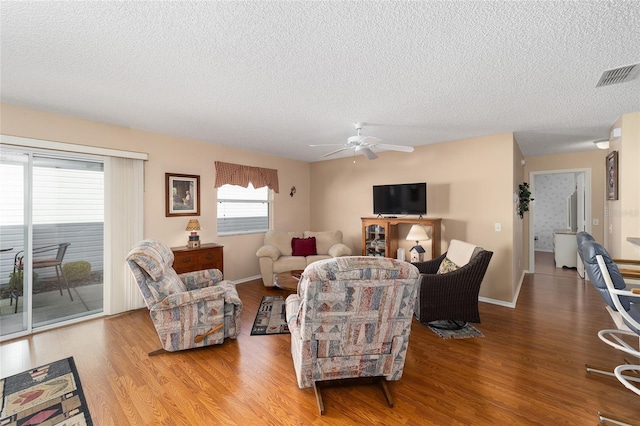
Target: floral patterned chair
(351,318)
(189,310)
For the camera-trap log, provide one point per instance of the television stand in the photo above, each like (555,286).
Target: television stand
(381,235)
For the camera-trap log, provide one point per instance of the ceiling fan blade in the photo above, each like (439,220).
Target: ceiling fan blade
(335,152)
(370,140)
(328,144)
(363,140)
(394,147)
(366,151)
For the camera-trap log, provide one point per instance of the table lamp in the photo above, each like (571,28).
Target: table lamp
(417,233)
(194,239)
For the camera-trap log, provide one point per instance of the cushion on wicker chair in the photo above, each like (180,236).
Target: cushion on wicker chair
(460,252)
(447,266)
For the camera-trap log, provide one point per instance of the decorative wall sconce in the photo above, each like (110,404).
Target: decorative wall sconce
(293,191)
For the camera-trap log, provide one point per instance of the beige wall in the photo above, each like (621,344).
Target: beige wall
(623,215)
(178,155)
(469,185)
(518,227)
(594,160)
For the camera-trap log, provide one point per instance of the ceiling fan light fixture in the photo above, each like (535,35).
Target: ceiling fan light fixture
(362,144)
(602,143)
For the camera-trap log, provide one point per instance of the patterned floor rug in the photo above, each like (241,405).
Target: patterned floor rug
(465,332)
(271,317)
(51,394)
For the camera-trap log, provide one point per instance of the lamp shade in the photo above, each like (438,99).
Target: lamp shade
(417,233)
(193,225)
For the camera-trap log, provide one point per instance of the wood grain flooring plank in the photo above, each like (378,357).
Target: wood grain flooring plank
(528,369)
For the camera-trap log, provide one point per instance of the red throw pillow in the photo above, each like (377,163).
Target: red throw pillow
(303,246)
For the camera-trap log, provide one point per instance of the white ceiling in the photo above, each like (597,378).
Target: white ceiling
(275,76)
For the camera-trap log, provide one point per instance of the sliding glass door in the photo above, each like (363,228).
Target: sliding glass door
(52,233)
(14,168)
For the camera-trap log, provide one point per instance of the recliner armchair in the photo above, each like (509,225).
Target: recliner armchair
(351,318)
(188,310)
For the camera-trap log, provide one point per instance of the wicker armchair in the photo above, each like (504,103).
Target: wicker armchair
(451,295)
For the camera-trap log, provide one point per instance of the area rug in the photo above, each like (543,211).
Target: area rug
(271,317)
(465,332)
(50,394)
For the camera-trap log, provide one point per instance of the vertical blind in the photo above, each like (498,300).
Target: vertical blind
(124,182)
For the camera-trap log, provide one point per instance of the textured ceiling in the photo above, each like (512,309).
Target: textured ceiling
(274,77)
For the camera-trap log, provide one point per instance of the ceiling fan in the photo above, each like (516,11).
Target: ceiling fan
(364,144)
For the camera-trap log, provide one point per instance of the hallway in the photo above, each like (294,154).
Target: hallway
(545,265)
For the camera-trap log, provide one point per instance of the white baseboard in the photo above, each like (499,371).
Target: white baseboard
(511,304)
(247,279)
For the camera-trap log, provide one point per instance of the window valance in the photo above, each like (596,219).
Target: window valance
(238,174)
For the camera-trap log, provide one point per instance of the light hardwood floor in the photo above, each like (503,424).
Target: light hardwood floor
(528,369)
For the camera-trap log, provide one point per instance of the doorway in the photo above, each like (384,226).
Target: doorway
(551,210)
(52,238)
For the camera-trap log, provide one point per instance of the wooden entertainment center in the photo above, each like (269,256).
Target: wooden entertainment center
(380,235)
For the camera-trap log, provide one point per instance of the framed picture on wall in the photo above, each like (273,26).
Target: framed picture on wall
(612,176)
(182,195)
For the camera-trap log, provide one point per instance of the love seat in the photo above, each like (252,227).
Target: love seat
(277,255)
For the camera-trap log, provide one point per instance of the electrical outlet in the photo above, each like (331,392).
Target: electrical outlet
(498,227)
(596,222)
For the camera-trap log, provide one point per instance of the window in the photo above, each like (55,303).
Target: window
(67,191)
(243,210)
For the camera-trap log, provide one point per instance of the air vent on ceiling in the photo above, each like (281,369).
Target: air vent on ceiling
(618,75)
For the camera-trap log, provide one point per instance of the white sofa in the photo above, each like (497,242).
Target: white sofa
(276,254)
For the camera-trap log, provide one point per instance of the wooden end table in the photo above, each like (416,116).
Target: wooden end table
(288,280)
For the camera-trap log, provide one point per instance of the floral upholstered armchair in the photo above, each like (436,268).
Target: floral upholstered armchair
(351,318)
(188,310)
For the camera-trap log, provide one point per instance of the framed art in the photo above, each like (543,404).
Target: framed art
(612,176)
(182,195)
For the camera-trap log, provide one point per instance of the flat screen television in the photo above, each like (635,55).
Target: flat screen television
(404,198)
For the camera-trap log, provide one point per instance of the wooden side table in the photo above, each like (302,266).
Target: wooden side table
(287,280)
(207,256)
